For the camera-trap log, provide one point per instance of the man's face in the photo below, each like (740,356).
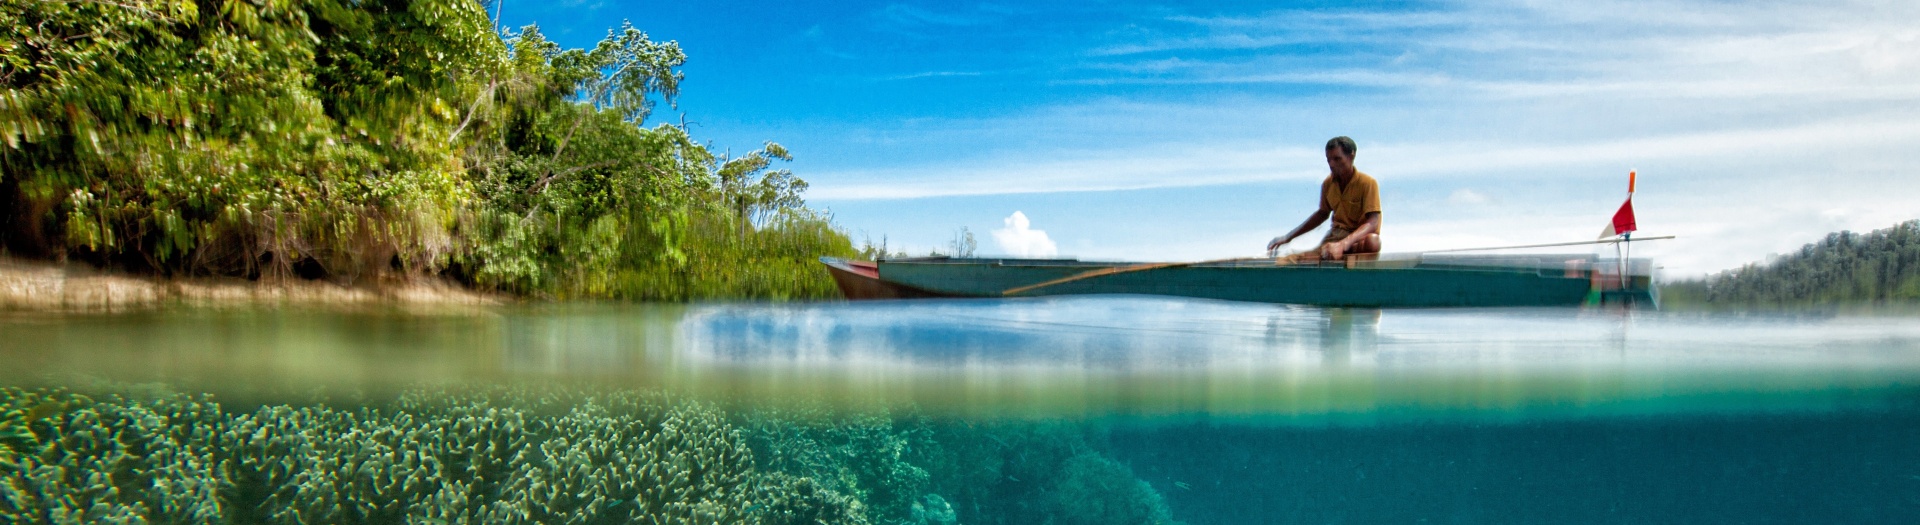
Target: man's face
(1339,162)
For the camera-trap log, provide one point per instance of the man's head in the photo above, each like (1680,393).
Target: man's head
(1340,152)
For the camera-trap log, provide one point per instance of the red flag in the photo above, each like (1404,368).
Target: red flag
(1622,221)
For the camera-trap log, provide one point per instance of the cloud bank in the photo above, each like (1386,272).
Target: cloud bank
(1019,239)
(1755,127)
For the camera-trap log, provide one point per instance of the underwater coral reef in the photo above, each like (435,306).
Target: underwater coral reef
(499,455)
(914,469)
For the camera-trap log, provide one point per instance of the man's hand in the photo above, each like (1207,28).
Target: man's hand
(1333,250)
(1277,243)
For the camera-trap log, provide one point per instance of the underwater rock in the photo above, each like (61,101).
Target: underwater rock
(934,510)
(1014,471)
(792,500)
(865,456)
(1095,490)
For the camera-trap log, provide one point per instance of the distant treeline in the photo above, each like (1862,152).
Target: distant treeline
(1882,267)
(359,140)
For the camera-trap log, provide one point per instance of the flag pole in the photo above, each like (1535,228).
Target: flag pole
(1631,179)
(1625,263)
(1549,245)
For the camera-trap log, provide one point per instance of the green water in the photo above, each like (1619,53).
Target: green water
(1072,410)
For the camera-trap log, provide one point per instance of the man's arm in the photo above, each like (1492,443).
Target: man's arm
(1313,221)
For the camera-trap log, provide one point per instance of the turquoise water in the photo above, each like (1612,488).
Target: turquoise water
(1060,410)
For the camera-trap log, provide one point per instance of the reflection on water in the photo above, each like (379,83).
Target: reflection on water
(1349,332)
(1054,410)
(1077,354)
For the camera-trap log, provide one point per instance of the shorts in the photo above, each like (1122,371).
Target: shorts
(1336,234)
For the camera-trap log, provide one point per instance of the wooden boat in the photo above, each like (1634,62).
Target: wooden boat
(1386,281)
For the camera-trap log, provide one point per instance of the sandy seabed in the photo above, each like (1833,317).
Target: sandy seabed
(77,288)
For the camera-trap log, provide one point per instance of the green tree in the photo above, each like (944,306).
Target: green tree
(217,136)
(1877,268)
(357,138)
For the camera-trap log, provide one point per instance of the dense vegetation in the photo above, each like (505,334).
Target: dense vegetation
(361,140)
(1879,268)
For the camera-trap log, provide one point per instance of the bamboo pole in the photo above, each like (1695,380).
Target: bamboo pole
(1549,245)
(1137,268)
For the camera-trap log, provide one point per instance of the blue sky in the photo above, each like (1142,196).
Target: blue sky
(1165,131)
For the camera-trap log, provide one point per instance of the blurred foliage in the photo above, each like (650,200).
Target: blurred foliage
(369,139)
(1846,268)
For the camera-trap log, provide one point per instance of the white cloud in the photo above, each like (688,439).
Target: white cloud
(1467,197)
(1535,49)
(906,15)
(1159,166)
(1021,240)
(1756,127)
(1181,165)
(933,74)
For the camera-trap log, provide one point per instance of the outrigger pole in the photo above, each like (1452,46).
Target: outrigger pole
(1125,269)
(1549,245)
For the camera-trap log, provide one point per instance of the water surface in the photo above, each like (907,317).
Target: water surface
(1064,409)
(1059,356)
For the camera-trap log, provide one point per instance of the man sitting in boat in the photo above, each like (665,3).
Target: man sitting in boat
(1352,197)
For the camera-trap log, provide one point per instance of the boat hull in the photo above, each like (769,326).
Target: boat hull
(860,280)
(1455,282)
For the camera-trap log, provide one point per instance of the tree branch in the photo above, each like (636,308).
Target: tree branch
(491,86)
(544,181)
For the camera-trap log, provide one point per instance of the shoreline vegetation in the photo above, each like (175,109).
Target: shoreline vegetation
(372,143)
(1875,271)
(39,286)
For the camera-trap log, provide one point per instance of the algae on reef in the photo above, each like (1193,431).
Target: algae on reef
(519,456)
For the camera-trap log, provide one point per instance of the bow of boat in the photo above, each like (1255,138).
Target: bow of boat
(860,280)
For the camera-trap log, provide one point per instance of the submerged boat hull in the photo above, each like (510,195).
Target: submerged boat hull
(1431,282)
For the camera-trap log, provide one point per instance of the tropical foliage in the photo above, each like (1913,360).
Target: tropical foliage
(1882,267)
(368,139)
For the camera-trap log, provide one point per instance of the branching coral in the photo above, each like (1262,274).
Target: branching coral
(501,457)
(116,460)
(525,456)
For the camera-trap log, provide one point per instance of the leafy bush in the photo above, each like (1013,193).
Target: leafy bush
(355,140)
